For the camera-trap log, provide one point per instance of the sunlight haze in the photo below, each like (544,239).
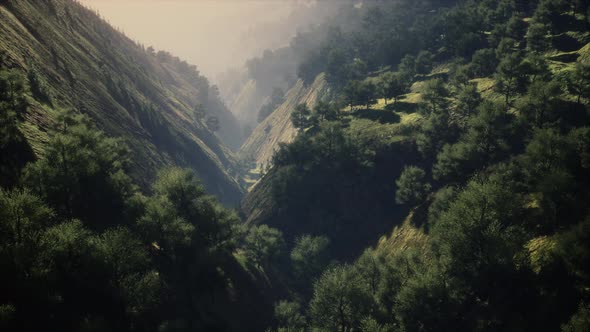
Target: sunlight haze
(206,33)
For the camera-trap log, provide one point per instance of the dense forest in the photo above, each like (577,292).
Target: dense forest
(462,126)
(437,182)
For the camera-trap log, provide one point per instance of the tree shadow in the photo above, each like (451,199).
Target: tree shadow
(384,116)
(402,106)
(566,22)
(427,77)
(565,43)
(572,114)
(565,57)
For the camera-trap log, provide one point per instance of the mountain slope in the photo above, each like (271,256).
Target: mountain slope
(277,127)
(79,61)
(247,103)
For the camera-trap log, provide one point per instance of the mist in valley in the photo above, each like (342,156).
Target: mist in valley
(214,35)
(294,165)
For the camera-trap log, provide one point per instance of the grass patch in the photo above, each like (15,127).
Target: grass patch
(373,133)
(411,119)
(403,238)
(380,104)
(412,98)
(584,54)
(541,252)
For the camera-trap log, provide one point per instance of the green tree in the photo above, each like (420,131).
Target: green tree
(12,88)
(82,173)
(263,245)
(484,62)
(370,268)
(336,62)
(536,37)
(360,93)
(536,67)
(509,79)
(181,208)
(516,27)
(407,68)
(486,141)
(489,132)
(356,70)
(351,93)
(423,63)
(580,321)
(468,100)
(578,81)
(441,202)
(572,248)
(288,316)
(23,220)
(190,236)
(541,103)
(479,238)
(339,301)
(391,85)
(506,47)
(39,88)
(130,270)
(163,227)
(327,111)
(367,93)
(371,325)
(426,302)
(546,161)
(310,256)
(411,186)
(13,146)
(301,117)
(460,75)
(436,131)
(434,96)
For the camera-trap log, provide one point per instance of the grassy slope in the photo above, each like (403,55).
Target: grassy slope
(79,56)
(409,234)
(257,206)
(377,129)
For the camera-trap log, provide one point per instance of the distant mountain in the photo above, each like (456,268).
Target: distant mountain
(160,105)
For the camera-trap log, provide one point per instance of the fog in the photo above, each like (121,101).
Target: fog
(212,34)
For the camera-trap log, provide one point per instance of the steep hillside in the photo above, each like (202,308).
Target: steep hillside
(345,173)
(247,103)
(76,60)
(464,138)
(277,127)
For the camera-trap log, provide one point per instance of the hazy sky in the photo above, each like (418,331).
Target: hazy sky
(206,33)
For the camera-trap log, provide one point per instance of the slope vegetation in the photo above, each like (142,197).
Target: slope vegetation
(277,128)
(76,60)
